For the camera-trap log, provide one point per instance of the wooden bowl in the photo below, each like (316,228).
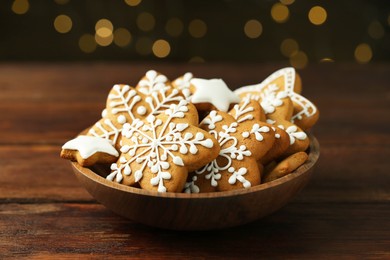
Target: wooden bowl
(181,211)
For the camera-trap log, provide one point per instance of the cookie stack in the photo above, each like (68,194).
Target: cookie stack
(196,135)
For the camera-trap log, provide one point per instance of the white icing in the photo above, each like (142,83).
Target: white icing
(230,150)
(239,176)
(183,84)
(191,187)
(241,112)
(212,119)
(104,113)
(121,119)
(89,145)
(257,130)
(272,97)
(123,99)
(171,138)
(152,83)
(214,91)
(111,134)
(308,109)
(141,110)
(293,133)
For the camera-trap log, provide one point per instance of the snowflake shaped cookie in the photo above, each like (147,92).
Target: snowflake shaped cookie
(158,152)
(242,144)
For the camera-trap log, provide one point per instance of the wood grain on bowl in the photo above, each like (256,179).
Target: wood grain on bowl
(181,211)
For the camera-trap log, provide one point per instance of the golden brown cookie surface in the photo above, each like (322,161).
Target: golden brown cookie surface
(241,145)
(158,152)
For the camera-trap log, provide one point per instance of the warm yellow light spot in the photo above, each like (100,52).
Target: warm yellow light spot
(122,37)
(287,2)
(253,29)
(87,43)
(375,30)
(103,35)
(63,23)
(174,27)
(104,23)
(196,59)
(145,21)
(289,47)
(280,13)
(326,60)
(20,6)
(317,15)
(61,2)
(133,2)
(104,32)
(104,41)
(161,48)
(363,53)
(197,28)
(299,60)
(143,46)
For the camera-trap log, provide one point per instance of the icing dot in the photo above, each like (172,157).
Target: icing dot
(104,113)
(245,134)
(121,119)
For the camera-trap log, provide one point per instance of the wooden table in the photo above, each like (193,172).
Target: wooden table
(44,212)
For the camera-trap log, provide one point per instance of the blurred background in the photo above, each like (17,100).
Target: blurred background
(298,32)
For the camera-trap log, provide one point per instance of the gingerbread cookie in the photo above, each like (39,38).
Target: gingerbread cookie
(249,109)
(183,83)
(124,105)
(87,150)
(158,152)
(284,82)
(285,167)
(279,109)
(241,145)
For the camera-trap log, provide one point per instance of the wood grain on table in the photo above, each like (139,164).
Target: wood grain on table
(44,212)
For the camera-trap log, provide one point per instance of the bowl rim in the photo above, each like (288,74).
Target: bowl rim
(312,159)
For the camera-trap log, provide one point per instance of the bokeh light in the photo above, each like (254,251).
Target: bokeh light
(280,13)
(363,53)
(20,6)
(326,60)
(133,2)
(253,29)
(376,30)
(287,2)
(145,21)
(289,47)
(103,35)
(87,43)
(143,46)
(317,15)
(161,48)
(63,23)
(104,23)
(299,60)
(122,37)
(197,28)
(174,27)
